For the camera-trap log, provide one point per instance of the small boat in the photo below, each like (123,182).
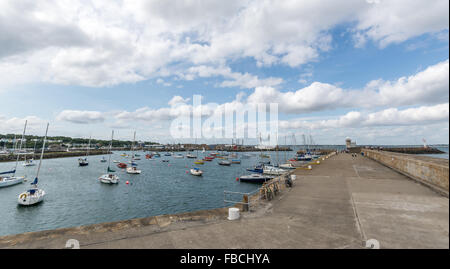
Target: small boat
(9,181)
(167,154)
(199,162)
(133,170)
(136,158)
(256,169)
(103,160)
(207,160)
(210,158)
(109,177)
(287,166)
(34,195)
(178,156)
(123,155)
(115,161)
(196,172)
(255,178)
(83,162)
(236,161)
(122,165)
(271,170)
(264,156)
(29,163)
(190,156)
(225,162)
(165,160)
(6,181)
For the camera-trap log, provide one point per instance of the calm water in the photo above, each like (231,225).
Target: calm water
(76,197)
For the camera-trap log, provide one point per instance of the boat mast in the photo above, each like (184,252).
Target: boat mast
(110,146)
(42,154)
(89,147)
(20,148)
(132,147)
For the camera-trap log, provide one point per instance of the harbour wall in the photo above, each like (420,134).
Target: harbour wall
(51,155)
(429,171)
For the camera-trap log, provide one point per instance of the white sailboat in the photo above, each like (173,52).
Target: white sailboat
(84,162)
(30,162)
(109,177)
(34,195)
(133,169)
(6,181)
(196,171)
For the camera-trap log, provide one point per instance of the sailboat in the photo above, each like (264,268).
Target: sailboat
(30,161)
(34,195)
(109,177)
(13,180)
(84,162)
(133,169)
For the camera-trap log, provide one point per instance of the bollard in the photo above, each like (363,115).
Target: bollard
(245,206)
(233,213)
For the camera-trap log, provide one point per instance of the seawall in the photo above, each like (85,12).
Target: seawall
(430,171)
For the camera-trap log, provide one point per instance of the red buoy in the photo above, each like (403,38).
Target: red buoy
(237,179)
(127,182)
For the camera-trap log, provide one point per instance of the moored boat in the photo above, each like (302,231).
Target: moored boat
(196,171)
(255,178)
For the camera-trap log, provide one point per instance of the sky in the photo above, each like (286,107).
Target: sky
(372,70)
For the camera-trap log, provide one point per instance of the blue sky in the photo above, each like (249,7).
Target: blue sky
(357,72)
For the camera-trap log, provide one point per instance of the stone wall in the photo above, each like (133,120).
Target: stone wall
(433,173)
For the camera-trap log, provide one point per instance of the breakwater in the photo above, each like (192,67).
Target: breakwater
(51,155)
(432,172)
(414,150)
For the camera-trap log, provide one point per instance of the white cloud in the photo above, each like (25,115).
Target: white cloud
(81,117)
(424,115)
(16,124)
(103,43)
(429,86)
(389,22)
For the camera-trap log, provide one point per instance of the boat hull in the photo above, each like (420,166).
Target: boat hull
(109,179)
(25,198)
(5,182)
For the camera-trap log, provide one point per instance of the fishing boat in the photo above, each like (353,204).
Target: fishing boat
(122,165)
(255,178)
(84,161)
(34,195)
(6,181)
(225,162)
(133,169)
(271,170)
(196,171)
(109,177)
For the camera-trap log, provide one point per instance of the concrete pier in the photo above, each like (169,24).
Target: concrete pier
(341,203)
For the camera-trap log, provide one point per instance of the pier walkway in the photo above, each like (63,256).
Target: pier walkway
(340,203)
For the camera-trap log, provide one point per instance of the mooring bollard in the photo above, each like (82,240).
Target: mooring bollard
(245,207)
(233,213)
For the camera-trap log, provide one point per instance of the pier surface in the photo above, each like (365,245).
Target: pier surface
(341,203)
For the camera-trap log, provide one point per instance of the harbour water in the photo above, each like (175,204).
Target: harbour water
(76,197)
